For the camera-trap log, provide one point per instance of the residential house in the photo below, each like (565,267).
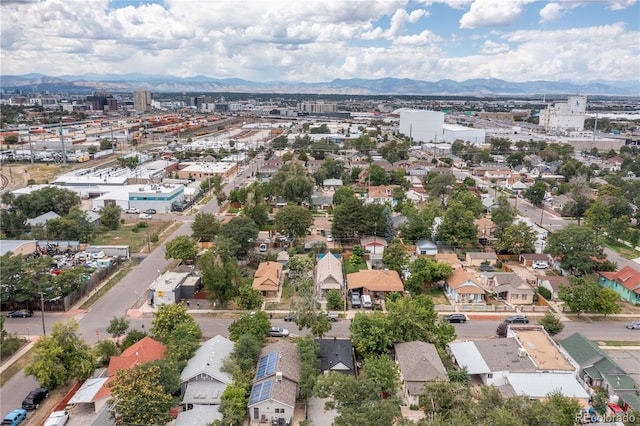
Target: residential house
(328,274)
(311,241)
(402,164)
(275,385)
(540,385)
(486,229)
(331,184)
(314,165)
(269,167)
(480,258)
(596,370)
(500,175)
(93,218)
(382,194)
(416,195)
(553,284)
(336,355)
(426,248)
(419,364)
(463,287)
(387,166)
(203,379)
(418,169)
(283,257)
(508,286)
(268,279)
(97,392)
(488,203)
(375,282)
(527,259)
(374,244)
(321,201)
(625,282)
(450,258)
(42,219)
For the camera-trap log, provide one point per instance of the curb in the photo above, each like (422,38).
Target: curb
(17,356)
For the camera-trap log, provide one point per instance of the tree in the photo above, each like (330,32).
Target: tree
(293,221)
(576,246)
(233,405)
(181,247)
(132,337)
(581,295)
(468,199)
(309,364)
(442,398)
(110,217)
(551,324)
(597,217)
(169,377)
(370,334)
(182,342)
(580,201)
(118,327)
(535,193)
(257,324)
(305,309)
(335,300)
(518,238)
(562,408)
(205,227)
(439,185)
(382,372)
(425,270)
(104,350)
(607,302)
(458,226)
(50,198)
(167,318)
(61,357)
(220,275)
(341,194)
(139,397)
(414,318)
(377,176)
(419,225)
(395,257)
(503,214)
(243,231)
(248,297)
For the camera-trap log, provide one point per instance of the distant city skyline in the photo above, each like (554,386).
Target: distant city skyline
(318,41)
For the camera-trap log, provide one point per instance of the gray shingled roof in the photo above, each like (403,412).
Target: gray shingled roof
(334,351)
(502,355)
(419,361)
(208,360)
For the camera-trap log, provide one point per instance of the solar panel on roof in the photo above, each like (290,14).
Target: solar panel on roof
(260,391)
(266,365)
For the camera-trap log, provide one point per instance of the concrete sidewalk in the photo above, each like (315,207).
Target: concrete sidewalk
(8,363)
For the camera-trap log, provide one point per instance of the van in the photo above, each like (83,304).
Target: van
(355,300)
(15,417)
(366,301)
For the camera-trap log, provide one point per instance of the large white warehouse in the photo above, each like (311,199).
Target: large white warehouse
(422,125)
(564,117)
(453,132)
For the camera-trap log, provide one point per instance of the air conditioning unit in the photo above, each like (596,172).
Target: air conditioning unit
(522,352)
(278,377)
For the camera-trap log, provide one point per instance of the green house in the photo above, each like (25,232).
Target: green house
(625,282)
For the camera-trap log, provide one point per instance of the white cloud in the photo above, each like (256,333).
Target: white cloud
(491,47)
(621,4)
(487,13)
(550,12)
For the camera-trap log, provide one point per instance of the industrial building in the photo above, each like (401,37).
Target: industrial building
(172,287)
(453,132)
(141,100)
(422,125)
(560,118)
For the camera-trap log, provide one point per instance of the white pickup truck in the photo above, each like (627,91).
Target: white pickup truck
(57,418)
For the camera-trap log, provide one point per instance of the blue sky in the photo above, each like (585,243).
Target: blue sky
(314,41)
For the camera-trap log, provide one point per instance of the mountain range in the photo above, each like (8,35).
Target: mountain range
(89,83)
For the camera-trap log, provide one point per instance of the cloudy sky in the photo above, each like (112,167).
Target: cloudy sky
(314,41)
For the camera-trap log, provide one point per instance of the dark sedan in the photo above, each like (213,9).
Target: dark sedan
(150,211)
(22,313)
(518,319)
(460,318)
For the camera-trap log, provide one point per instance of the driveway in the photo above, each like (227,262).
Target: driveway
(318,415)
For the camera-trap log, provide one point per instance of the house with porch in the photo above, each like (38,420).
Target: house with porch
(508,286)
(625,282)
(268,279)
(426,248)
(328,274)
(553,284)
(376,283)
(462,287)
(374,246)
(419,364)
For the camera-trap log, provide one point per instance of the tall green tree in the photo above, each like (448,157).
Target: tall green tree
(167,318)
(395,256)
(535,193)
(608,302)
(110,217)
(139,397)
(61,356)
(118,327)
(581,295)
(503,214)
(293,221)
(370,334)
(518,238)
(597,217)
(241,230)
(414,318)
(425,272)
(205,227)
(182,248)
(342,194)
(419,225)
(220,276)
(551,324)
(309,364)
(576,246)
(382,372)
(458,227)
(256,324)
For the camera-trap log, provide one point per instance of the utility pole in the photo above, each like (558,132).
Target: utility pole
(31,147)
(64,153)
(44,331)
(113,147)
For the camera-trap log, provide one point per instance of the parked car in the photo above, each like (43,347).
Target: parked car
(278,332)
(486,268)
(518,319)
(461,318)
(289,318)
(355,300)
(35,397)
(145,216)
(150,211)
(22,313)
(329,238)
(332,316)
(15,417)
(366,301)
(57,418)
(132,211)
(540,264)
(263,248)
(633,325)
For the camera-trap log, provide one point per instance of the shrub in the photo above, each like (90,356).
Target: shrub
(154,238)
(544,292)
(501,331)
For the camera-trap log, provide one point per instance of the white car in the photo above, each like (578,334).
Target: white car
(541,264)
(329,238)
(132,210)
(145,216)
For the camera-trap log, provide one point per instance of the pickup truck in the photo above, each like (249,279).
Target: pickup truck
(332,316)
(57,418)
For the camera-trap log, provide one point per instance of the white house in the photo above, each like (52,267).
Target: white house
(426,248)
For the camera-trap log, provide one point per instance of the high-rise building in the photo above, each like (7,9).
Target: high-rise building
(317,107)
(141,100)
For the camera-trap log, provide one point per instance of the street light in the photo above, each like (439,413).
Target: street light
(44,331)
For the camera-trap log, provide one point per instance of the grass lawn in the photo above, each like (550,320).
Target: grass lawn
(622,249)
(437,295)
(137,241)
(350,269)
